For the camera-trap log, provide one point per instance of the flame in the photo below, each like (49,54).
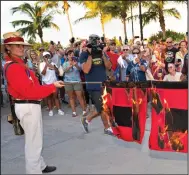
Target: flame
(104,99)
(175,140)
(164,130)
(166,105)
(137,102)
(154,101)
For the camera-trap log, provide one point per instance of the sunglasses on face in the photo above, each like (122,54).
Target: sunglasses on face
(125,49)
(169,42)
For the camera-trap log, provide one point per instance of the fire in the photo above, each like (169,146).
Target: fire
(154,101)
(137,102)
(164,130)
(166,105)
(175,140)
(104,99)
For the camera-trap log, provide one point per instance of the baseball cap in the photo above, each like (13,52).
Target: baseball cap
(46,53)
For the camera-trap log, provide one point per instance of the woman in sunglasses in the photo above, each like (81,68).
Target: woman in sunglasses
(48,72)
(136,68)
(172,75)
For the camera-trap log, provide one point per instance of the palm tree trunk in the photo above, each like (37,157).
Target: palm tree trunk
(124,28)
(102,25)
(40,33)
(162,19)
(68,16)
(41,38)
(132,21)
(140,18)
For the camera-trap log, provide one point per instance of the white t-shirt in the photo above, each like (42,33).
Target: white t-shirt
(50,76)
(176,77)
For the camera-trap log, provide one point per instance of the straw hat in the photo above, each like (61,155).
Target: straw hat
(13,38)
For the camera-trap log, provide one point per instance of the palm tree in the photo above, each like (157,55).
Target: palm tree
(120,10)
(36,22)
(157,12)
(55,4)
(95,9)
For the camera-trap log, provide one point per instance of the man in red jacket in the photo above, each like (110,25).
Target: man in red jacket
(26,92)
(112,55)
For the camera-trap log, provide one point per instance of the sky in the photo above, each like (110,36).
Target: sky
(93,26)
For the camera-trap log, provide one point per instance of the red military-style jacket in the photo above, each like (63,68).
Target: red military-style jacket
(22,86)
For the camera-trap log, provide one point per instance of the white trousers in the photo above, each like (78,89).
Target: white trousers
(30,117)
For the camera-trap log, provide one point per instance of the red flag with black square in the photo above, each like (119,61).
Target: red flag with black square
(169,127)
(127,102)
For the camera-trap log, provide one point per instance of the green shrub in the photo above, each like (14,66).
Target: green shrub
(176,36)
(36,46)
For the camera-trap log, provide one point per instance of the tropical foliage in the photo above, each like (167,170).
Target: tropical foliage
(54,5)
(36,22)
(157,12)
(95,9)
(169,33)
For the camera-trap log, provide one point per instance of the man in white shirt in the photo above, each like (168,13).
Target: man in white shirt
(123,61)
(173,75)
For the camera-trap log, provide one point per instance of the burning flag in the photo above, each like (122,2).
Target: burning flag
(169,127)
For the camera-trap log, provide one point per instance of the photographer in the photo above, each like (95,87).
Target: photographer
(94,65)
(48,71)
(136,68)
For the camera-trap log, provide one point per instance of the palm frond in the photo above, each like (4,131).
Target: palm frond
(20,23)
(25,8)
(53,25)
(172,12)
(88,15)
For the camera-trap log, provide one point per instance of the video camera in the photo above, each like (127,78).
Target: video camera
(96,48)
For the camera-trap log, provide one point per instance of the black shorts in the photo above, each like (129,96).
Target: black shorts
(96,96)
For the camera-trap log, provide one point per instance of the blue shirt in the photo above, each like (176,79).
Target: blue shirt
(62,60)
(96,74)
(72,75)
(134,72)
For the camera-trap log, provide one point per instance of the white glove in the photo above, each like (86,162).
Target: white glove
(121,62)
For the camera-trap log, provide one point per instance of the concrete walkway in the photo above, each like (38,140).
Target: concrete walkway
(74,152)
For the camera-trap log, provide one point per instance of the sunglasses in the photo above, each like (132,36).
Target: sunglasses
(169,42)
(136,52)
(125,49)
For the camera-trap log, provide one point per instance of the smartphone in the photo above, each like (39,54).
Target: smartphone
(179,60)
(160,71)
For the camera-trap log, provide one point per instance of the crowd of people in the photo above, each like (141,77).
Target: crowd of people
(137,61)
(48,75)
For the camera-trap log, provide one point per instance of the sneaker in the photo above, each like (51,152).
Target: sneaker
(60,112)
(51,113)
(92,108)
(64,101)
(84,113)
(108,132)
(85,124)
(74,114)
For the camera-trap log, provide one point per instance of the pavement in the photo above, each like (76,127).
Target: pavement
(74,152)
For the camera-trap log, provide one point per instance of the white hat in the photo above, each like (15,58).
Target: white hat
(46,53)
(12,38)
